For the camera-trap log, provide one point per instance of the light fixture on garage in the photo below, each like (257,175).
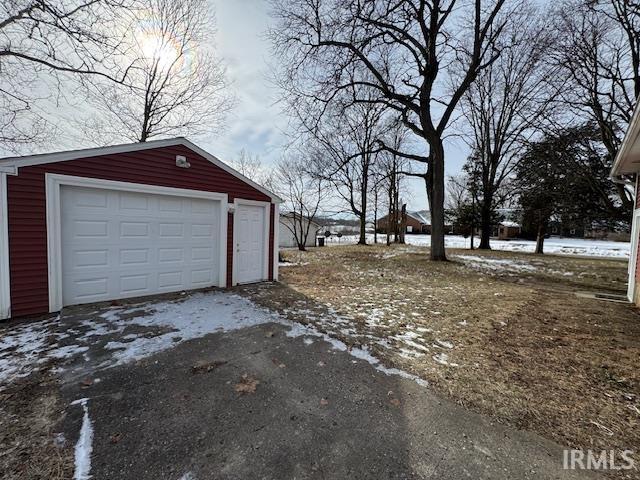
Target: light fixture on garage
(231,208)
(181,161)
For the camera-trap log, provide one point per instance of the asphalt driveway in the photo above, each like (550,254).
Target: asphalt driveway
(237,393)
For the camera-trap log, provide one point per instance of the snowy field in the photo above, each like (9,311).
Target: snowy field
(555,245)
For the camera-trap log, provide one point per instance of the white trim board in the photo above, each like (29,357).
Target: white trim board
(276,240)
(267,213)
(54,235)
(25,161)
(5,278)
(633,258)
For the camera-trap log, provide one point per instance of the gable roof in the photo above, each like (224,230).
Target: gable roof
(11,164)
(423,216)
(293,215)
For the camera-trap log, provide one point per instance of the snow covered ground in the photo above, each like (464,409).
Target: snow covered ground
(124,334)
(555,245)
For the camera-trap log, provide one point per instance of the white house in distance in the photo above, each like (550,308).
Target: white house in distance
(286,236)
(626,165)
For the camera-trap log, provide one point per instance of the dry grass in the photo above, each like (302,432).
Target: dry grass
(526,349)
(29,411)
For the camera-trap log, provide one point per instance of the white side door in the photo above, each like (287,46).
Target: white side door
(250,239)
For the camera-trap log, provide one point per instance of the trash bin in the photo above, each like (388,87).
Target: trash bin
(320,241)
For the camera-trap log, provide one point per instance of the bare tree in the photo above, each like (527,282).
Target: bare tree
(393,168)
(599,51)
(42,42)
(177,87)
(250,166)
(345,139)
(507,105)
(303,195)
(404,51)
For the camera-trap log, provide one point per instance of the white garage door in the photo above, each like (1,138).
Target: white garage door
(118,244)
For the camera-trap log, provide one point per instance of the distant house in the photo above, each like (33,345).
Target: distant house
(287,238)
(508,230)
(418,221)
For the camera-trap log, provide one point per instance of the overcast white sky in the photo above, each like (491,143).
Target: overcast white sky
(257,123)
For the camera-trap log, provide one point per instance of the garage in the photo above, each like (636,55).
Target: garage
(129,221)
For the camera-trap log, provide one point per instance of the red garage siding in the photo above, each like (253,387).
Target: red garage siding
(27,208)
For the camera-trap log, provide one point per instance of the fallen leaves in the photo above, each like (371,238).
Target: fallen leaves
(86,383)
(206,367)
(246,385)
(278,363)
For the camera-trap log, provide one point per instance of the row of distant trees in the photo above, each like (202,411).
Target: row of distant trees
(542,95)
(549,121)
(129,70)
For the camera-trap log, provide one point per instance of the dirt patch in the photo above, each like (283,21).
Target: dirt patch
(30,449)
(500,333)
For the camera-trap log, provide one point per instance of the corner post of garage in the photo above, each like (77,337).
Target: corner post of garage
(230,244)
(5,289)
(275,225)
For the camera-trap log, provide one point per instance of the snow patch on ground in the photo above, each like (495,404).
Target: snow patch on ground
(22,349)
(298,330)
(496,264)
(84,446)
(555,245)
(443,359)
(195,317)
(163,325)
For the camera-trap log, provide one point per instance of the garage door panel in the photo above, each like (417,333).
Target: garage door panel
(134,229)
(171,230)
(169,255)
(170,280)
(91,199)
(202,207)
(199,230)
(140,245)
(135,256)
(93,289)
(134,284)
(202,253)
(90,258)
(171,205)
(133,201)
(89,228)
(202,277)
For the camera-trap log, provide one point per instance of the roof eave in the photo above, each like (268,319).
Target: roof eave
(14,163)
(624,163)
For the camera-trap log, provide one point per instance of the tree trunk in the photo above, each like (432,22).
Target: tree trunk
(389,216)
(363,230)
(403,223)
(485,223)
(375,215)
(436,201)
(363,209)
(542,231)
